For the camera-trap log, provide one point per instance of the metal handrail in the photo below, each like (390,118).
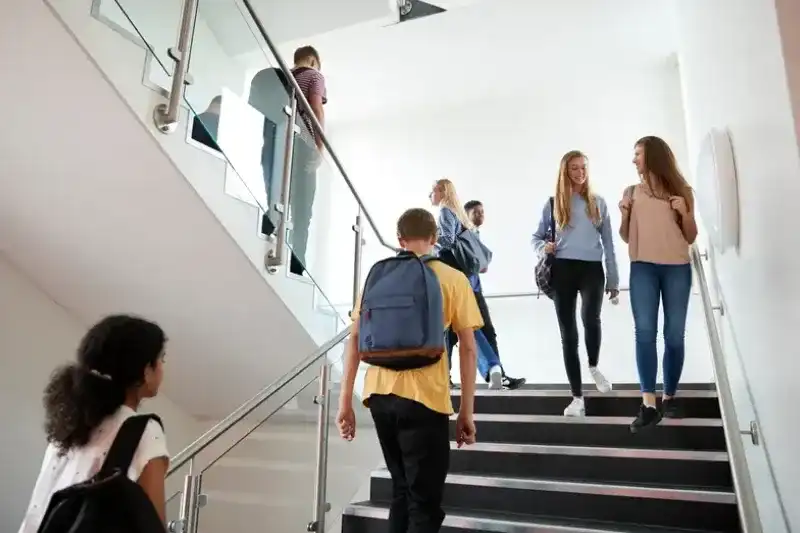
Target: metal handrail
(222,427)
(742,484)
(526,294)
(314,121)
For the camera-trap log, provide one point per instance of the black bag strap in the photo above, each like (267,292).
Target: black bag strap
(553,219)
(120,455)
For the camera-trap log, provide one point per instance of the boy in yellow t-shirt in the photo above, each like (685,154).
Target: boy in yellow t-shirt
(411,408)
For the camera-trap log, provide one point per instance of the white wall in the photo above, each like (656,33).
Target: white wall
(504,153)
(509,158)
(734,76)
(530,344)
(37,335)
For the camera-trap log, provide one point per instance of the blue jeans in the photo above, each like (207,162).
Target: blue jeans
(649,284)
(487,357)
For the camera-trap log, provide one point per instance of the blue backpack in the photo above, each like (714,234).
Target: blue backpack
(401,324)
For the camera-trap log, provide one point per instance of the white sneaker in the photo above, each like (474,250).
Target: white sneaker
(603,385)
(575,408)
(495,378)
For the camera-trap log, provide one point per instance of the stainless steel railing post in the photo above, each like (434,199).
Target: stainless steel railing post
(206,439)
(323,400)
(358,229)
(190,504)
(275,257)
(165,116)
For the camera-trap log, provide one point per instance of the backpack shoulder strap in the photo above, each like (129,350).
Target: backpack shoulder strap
(122,450)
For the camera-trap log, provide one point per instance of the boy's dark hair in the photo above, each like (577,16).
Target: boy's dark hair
(305,52)
(472,204)
(111,359)
(416,224)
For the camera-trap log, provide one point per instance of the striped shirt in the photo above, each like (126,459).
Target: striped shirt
(312,84)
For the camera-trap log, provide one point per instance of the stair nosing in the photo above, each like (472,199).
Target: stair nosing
(594,451)
(497,525)
(608,420)
(566,393)
(591,488)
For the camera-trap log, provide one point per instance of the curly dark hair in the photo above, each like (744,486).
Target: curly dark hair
(111,359)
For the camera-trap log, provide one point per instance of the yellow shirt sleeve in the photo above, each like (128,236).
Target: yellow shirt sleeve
(464,312)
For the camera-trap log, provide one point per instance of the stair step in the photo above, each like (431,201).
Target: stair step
(369,517)
(704,469)
(619,402)
(661,506)
(699,434)
(617,387)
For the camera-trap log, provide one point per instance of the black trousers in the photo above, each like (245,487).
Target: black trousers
(570,278)
(416,446)
(487,330)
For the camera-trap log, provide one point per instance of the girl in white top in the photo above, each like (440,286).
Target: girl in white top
(119,363)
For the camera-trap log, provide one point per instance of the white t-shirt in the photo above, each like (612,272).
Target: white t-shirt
(80,464)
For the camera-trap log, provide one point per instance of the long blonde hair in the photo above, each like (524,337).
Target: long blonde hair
(562,201)
(450,200)
(662,167)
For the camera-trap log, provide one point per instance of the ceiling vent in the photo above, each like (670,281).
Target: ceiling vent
(405,10)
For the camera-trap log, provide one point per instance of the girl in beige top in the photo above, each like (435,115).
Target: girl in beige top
(659,226)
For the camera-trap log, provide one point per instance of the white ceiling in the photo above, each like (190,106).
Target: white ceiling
(485,49)
(298,20)
(285,20)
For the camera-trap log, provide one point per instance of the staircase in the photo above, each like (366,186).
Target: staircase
(534,470)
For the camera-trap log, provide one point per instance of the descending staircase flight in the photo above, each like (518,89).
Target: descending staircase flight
(534,470)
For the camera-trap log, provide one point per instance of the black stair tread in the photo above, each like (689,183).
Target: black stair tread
(519,521)
(590,393)
(617,386)
(594,451)
(613,420)
(469,479)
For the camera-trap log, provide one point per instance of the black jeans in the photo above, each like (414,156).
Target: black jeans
(487,329)
(416,446)
(571,277)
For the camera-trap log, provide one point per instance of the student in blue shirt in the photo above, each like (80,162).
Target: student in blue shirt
(453,219)
(583,239)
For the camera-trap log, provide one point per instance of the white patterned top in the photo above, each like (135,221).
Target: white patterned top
(80,464)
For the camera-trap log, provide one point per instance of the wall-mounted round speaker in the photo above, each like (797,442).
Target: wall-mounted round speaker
(717,190)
